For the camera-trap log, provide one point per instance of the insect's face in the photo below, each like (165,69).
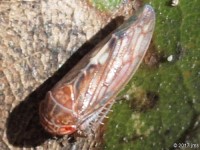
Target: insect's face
(55,120)
(58,129)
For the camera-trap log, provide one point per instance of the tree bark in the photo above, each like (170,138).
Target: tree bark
(36,39)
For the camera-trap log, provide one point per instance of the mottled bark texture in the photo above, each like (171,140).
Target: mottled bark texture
(38,44)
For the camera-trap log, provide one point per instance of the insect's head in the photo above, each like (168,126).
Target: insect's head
(55,118)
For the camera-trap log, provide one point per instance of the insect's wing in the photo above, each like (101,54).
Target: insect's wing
(132,41)
(119,58)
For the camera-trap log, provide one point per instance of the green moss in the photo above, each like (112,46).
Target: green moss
(176,84)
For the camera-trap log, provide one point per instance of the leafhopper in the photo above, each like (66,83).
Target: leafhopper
(84,96)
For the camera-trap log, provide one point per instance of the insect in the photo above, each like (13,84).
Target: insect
(84,96)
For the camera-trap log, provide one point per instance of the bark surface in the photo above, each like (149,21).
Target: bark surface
(38,44)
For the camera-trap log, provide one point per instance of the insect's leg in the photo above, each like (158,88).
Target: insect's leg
(90,124)
(104,111)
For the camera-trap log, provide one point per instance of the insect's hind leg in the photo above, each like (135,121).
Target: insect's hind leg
(104,111)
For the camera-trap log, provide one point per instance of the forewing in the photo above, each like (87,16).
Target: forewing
(101,74)
(125,50)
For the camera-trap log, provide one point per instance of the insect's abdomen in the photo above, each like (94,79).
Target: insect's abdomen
(84,96)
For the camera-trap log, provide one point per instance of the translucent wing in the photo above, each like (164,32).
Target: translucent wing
(112,66)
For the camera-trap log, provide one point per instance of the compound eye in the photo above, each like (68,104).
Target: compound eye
(67,129)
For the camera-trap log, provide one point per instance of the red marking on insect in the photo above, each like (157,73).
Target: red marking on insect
(82,99)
